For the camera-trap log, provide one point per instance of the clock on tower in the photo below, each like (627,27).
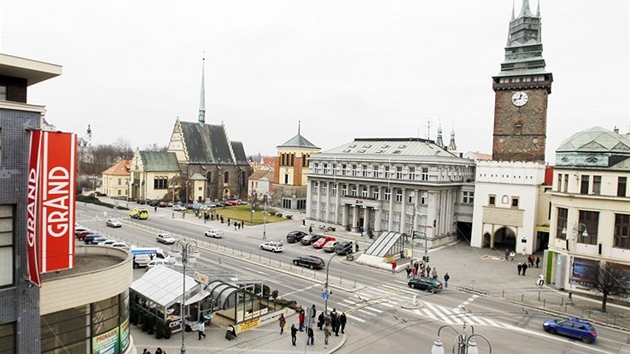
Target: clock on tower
(521,91)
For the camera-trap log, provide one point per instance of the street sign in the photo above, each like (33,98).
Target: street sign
(325,295)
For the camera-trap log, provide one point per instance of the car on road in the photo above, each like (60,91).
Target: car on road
(81,235)
(139,213)
(572,327)
(89,237)
(95,239)
(312,262)
(310,239)
(330,246)
(322,241)
(122,245)
(179,208)
(214,233)
(273,246)
(113,223)
(426,284)
(165,239)
(344,248)
(295,236)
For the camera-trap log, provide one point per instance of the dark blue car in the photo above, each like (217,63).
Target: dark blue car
(572,327)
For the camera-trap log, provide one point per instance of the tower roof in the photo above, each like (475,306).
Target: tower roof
(298,141)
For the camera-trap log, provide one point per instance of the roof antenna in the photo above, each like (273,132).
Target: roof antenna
(299,126)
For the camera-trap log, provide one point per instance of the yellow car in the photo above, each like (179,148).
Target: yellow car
(138,213)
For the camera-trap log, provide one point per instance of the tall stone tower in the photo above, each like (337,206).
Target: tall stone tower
(521,91)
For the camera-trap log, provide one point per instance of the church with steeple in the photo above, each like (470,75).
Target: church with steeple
(509,190)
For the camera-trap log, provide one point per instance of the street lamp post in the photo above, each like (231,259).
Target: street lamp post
(465,344)
(265,218)
(576,232)
(326,289)
(188,250)
(414,232)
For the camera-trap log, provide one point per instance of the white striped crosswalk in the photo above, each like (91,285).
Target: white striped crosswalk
(371,302)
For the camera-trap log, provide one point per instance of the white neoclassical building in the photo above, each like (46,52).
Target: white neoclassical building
(590,208)
(404,185)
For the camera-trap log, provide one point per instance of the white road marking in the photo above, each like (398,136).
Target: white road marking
(373,309)
(355,318)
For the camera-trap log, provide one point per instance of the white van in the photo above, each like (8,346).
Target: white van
(143,255)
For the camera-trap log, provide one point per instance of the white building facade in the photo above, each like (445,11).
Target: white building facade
(590,213)
(403,185)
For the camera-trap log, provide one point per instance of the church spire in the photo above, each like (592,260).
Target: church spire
(525,11)
(512,19)
(451,145)
(439,141)
(299,127)
(202,99)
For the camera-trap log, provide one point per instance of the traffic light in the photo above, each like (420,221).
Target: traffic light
(425,258)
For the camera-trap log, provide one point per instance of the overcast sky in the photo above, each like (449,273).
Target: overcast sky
(345,69)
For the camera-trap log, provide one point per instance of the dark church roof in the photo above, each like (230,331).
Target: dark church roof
(209,144)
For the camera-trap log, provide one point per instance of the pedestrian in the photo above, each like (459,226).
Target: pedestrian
(326,334)
(446,278)
(294,331)
(512,254)
(144,351)
(394,267)
(312,315)
(310,229)
(434,274)
(342,321)
(334,317)
(159,351)
(507,254)
(320,320)
(408,270)
(414,272)
(537,261)
(155,208)
(519,267)
(524,268)
(428,269)
(310,339)
(282,322)
(230,333)
(200,329)
(301,319)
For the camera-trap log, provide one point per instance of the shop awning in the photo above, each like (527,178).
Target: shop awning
(162,285)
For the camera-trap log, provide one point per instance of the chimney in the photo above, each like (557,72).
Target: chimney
(616,130)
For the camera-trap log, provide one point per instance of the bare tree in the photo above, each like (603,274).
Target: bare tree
(156,147)
(609,281)
(123,149)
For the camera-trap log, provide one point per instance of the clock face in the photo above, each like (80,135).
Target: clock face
(519,98)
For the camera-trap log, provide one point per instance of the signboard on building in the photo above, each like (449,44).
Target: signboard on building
(51,203)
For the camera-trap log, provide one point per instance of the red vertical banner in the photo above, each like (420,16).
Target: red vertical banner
(58,161)
(32,209)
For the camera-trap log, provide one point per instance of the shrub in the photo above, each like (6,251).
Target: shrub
(289,216)
(279,215)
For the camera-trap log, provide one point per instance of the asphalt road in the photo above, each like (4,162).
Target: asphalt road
(380,307)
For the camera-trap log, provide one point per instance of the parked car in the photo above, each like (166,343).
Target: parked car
(113,223)
(295,236)
(108,242)
(322,241)
(330,246)
(78,229)
(100,240)
(158,261)
(310,239)
(89,237)
(162,204)
(214,233)
(571,327)
(165,239)
(312,262)
(179,208)
(426,284)
(345,247)
(273,246)
(122,245)
(81,235)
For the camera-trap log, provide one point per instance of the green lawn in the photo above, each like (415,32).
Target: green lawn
(244,212)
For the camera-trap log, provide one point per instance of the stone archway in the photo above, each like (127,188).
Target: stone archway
(504,238)
(487,240)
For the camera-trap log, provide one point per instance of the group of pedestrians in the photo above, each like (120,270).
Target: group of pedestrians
(157,351)
(330,323)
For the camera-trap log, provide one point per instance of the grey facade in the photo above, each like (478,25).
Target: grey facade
(19,300)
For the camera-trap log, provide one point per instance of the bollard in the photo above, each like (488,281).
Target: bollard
(522,297)
(340,280)
(503,294)
(355,283)
(539,296)
(562,301)
(544,303)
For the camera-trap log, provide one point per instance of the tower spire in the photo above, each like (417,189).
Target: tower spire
(299,127)
(202,99)
(451,145)
(525,11)
(439,141)
(513,16)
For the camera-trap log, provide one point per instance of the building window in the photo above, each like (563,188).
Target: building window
(584,185)
(355,171)
(286,178)
(388,194)
(559,186)
(325,168)
(622,231)
(565,186)
(343,169)
(364,192)
(411,196)
(469,197)
(412,173)
(561,223)
(621,186)
(425,173)
(7,243)
(334,169)
(514,202)
(587,227)
(226,177)
(305,160)
(424,197)
(386,171)
(160,182)
(324,188)
(375,194)
(399,173)
(354,190)
(364,170)
(344,190)
(3,92)
(597,185)
(492,199)
(399,194)
(375,171)
(333,190)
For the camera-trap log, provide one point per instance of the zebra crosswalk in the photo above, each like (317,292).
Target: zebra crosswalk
(369,303)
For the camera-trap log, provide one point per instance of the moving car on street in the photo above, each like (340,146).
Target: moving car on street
(272,246)
(179,208)
(214,233)
(426,284)
(312,262)
(165,239)
(572,327)
(139,213)
(113,223)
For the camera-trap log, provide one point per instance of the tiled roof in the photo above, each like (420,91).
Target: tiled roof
(391,146)
(596,139)
(120,168)
(157,161)
(257,175)
(300,142)
(209,144)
